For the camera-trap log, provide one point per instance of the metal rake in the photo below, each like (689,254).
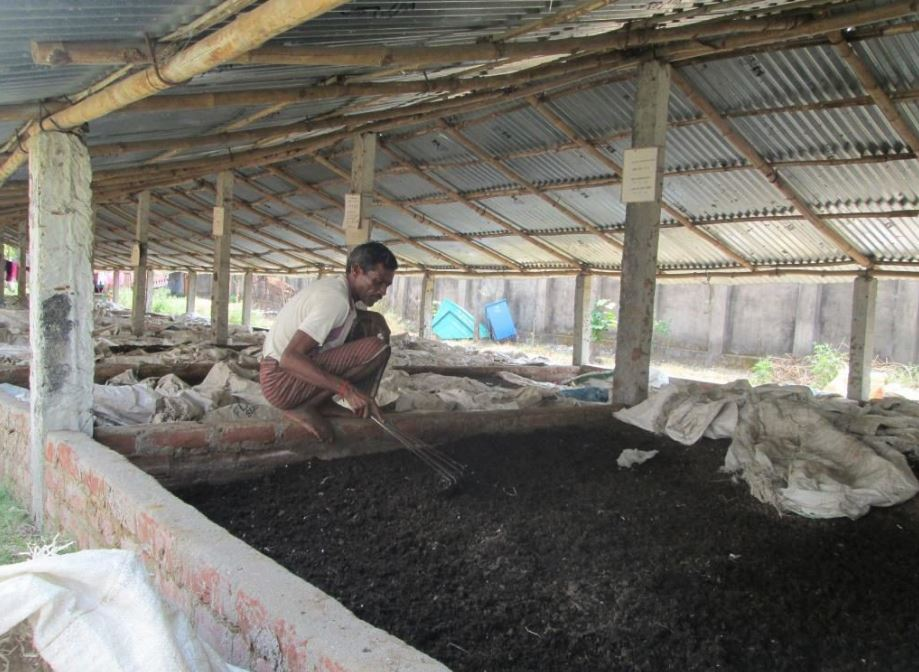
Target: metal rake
(449,470)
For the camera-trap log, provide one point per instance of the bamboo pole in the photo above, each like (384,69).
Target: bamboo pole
(246,32)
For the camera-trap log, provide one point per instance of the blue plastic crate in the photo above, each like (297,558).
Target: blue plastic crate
(452,322)
(499,317)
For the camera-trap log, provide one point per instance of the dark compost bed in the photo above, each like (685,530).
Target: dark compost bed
(550,557)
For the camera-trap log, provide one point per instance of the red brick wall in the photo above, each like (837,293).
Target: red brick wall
(255,613)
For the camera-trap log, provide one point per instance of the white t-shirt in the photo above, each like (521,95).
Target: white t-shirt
(323,310)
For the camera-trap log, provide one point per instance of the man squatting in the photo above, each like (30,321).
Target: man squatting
(322,344)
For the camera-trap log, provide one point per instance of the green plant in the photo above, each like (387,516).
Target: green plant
(661,328)
(762,372)
(603,318)
(905,374)
(824,364)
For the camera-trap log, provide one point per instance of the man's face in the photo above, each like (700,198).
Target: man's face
(370,286)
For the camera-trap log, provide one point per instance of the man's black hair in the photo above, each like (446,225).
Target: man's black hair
(368,255)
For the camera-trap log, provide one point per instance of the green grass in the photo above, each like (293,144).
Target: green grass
(16,530)
(168,304)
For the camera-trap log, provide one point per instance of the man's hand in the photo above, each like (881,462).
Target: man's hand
(361,404)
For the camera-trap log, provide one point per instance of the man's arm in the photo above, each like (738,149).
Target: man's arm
(295,359)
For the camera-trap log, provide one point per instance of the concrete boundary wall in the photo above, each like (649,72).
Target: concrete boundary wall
(250,609)
(742,320)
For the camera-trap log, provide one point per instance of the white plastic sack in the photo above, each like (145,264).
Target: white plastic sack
(96,610)
(632,456)
(124,404)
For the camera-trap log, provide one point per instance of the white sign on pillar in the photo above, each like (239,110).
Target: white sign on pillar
(641,182)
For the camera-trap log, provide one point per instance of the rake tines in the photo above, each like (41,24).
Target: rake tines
(444,466)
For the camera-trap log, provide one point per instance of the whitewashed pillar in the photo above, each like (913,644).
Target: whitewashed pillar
(23,260)
(427,306)
(642,229)
(247,298)
(582,310)
(191,292)
(861,337)
(220,288)
(61,289)
(116,285)
(139,262)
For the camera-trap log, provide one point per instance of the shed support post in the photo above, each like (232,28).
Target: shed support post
(148,301)
(359,202)
(61,310)
(247,299)
(861,337)
(2,270)
(139,261)
(116,285)
(23,260)
(425,325)
(719,320)
(220,289)
(642,229)
(191,292)
(582,310)
(807,319)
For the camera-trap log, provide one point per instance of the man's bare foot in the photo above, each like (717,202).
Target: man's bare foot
(312,421)
(330,408)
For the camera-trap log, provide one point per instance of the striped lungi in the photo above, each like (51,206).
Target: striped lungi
(285,390)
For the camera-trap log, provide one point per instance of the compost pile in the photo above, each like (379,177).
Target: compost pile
(551,557)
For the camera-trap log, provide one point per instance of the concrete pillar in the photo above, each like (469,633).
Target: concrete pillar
(539,310)
(247,299)
(583,304)
(139,262)
(220,289)
(61,310)
(642,229)
(861,337)
(148,299)
(116,285)
(191,292)
(2,270)
(807,319)
(427,306)
(359,202)
(906,325)
(23,260)
(719,320)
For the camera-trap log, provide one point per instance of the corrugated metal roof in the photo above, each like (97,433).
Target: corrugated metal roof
(520,129)
(600,205)
(472,177)
(771,79)
(889,238)
(459,217)
(857,187)
(741,193)
(590,248)
(530,213)
(558,167)
(776,242)
(894,60)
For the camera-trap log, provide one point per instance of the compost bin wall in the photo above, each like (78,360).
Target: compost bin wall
(251,610)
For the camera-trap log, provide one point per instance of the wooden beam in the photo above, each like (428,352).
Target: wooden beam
(563,126)
(772,176)
(246,32)
(880,97)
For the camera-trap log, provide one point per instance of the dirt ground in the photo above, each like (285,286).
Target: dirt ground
(550,557)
